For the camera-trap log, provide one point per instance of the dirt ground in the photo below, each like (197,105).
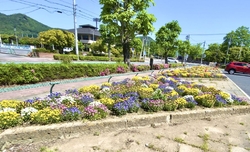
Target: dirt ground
(227,134)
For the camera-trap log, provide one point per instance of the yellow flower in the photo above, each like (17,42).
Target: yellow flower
(10,103)
(90,89)
(106,84)
(154,86)
(107,101)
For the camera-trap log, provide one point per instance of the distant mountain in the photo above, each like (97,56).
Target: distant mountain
(22,23)
(147,37)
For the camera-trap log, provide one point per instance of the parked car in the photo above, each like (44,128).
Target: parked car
(236,66)
(172,60)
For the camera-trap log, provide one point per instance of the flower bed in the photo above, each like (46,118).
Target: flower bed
(145,94)
(196,71)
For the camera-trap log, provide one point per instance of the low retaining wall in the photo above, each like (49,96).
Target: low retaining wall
(30,134)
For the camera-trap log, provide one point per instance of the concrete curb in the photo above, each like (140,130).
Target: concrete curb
(239,88)
(31,134)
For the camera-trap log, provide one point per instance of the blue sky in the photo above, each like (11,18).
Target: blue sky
(204,20)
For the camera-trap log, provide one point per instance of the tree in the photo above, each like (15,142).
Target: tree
(98,47)
(59,38)
(108,35)
(183,48)
(214,53)
(195,51)
(136,44)
(128,17)
(239,37)
(29,41)
(167,36)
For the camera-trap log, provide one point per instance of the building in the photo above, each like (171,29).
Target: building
(86,34)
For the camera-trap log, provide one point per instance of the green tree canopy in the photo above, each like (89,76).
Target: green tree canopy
(183,48)
(214,53)
(136,44)
(167,37)
(129,17)
(98,47)
(195,51)
(59,38)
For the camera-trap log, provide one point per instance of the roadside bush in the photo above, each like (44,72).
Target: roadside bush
(11,74)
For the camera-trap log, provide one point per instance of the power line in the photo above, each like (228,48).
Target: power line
(31,4)
(16,9)
(70,7)
(206,34)
(32,11)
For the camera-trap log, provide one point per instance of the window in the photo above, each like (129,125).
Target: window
(85,37)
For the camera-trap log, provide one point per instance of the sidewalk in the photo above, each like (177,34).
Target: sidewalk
(44,89)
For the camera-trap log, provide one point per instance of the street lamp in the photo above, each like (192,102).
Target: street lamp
(76,35)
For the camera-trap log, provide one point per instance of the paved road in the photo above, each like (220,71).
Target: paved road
(242,80)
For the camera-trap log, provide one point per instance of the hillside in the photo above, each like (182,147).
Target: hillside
(22,23)
(148,38)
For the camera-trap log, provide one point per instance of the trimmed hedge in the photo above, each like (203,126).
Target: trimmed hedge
(92,58)
(11,74)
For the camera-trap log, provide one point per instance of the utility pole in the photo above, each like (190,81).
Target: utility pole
(96,20)
(15,36)
(76,35)
(185,56)
(241,44)
(204,43)
(228,45)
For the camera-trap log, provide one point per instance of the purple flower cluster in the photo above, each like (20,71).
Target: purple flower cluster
(165,88)
(71,110)
(72,91)
(190,99)
(237,99)
(220,99)
(30,101)
(129,105)
(116,96)
(105,72)
(90,111)
(86,99)
(134,68)
(55,95)
(123,82)
(170,83)
(132,94)
(120,69)
(58,106)
(153,105)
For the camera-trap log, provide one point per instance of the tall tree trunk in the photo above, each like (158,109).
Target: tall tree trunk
(125,47)
(166,57)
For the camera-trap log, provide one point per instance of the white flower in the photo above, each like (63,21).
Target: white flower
(7,110)
(28,111)
(105,89)
(67,99)
(95,103)
(230,100)
(190,97)
(169,88)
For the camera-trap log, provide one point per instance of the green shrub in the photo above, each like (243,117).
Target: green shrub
(32,73)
